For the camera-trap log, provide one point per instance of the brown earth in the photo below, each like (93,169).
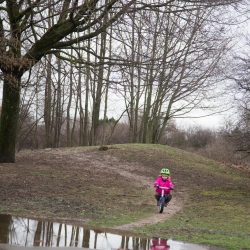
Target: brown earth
(54,179)
(88,184)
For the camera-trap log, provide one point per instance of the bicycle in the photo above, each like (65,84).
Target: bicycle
(159,243)
(162,199)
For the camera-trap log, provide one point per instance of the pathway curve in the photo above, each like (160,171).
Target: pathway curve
(175,205)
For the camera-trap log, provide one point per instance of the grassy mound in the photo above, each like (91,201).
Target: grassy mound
(113,187)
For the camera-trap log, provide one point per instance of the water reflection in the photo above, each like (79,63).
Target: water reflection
(158,243)
(30,232)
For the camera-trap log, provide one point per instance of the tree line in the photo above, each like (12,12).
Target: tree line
(67,65)
(228,144)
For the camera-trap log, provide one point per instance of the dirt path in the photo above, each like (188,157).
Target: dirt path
(47,174)
(63,183)
(174,206)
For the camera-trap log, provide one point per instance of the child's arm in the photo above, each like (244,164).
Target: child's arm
(171,185)
(156,184)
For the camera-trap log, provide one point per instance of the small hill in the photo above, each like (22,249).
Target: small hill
(113,188)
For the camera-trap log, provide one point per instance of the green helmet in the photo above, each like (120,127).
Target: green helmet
(165,171)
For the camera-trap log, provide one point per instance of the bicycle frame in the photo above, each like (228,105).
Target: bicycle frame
(162,199)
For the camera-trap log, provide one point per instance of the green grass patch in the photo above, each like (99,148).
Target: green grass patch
(110,218)
(67,184)
(216,218)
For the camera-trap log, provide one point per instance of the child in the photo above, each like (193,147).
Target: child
(158,243)
(164,180)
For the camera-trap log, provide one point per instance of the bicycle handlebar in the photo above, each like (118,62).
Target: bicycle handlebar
(163,187)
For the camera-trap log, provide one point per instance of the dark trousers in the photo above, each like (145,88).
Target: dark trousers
(168,197)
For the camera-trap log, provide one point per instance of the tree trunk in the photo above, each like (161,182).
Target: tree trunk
(85,138)
(98,93)
(69,139)
(58,113)
(47,105)
(9,121)
(81,113)
(104,39)
(78,102)
(132,89)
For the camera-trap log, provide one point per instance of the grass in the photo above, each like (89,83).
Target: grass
(216,212)
(122,209)
(203,223)
(219,223)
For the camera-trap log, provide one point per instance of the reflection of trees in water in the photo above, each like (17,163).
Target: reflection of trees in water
(86,238)
(36,241)
(43,234)
(74,236)
(4,227)
(59,234)
(27,232)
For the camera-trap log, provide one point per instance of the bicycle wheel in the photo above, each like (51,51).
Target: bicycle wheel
(161,204)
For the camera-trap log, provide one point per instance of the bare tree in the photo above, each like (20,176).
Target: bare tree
(32,30)
(174,68)
(25,40)
(238,75)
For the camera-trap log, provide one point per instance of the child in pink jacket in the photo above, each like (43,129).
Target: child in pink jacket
(159,244)
(164,180)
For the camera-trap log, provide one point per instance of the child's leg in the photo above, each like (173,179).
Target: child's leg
(168,197)
(157,196)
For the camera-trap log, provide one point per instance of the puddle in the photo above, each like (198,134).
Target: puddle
(37,233)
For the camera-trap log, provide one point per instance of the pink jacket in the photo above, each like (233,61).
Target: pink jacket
(158,243)
(162,183)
